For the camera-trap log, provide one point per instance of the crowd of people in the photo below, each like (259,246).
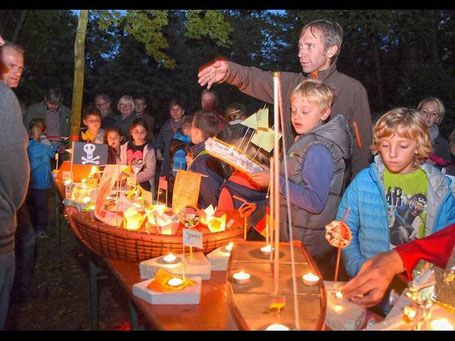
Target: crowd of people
(399,194)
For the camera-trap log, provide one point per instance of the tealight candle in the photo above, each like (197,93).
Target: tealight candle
(265,250)
(241,277)
(86,199)
(175,282)
(277,326)
(310,279)
(339,297)
(441,324)
(229,247)
(170,258)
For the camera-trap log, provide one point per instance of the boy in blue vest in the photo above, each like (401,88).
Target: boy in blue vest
(206,124)
(315,169)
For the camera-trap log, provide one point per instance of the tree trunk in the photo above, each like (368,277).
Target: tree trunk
(19,26)
(79,65)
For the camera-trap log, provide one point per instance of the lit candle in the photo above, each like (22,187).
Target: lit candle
(265,250)
(86,199)
(310,279)
(339,297)
(170,258)
(229,247)
(241,277)
(175,282)
(67,182)
(441,324)
(277,326)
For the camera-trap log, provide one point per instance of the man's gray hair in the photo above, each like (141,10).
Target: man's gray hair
(54,96)
(19,49)
(332,34)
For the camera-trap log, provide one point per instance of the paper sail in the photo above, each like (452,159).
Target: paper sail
(209,212)
(265,140)
(161,280)
(259,120)
(132,219)
(217,224)
(262,117)
(186,190)
(108,180)
(250,122)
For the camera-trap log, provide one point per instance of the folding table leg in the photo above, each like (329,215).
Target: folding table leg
(94,318)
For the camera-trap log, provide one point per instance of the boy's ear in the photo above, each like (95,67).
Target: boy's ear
(326,114)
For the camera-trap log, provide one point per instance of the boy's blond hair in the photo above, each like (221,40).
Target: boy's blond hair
(406,123)
(315,92)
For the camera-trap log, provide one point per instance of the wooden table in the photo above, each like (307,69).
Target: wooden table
(211,314)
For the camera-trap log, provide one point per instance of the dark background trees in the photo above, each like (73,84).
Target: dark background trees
(401,56)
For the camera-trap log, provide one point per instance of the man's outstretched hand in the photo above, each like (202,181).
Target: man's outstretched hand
(213,72)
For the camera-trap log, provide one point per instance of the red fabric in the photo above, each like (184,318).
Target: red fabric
(225,200)
(435,249)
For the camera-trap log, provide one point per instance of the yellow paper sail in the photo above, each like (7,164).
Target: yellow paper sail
(264,140)
(160,282)
(132,219)
(262,117)
(250,122)
(217,224)
(186,190)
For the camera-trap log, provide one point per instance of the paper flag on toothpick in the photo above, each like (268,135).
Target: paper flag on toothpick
(250,122)
(265,140)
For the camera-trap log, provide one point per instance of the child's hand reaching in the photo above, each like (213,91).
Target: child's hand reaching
(262,179)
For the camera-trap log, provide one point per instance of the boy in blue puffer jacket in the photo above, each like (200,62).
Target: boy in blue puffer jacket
(40,151)
(398,198)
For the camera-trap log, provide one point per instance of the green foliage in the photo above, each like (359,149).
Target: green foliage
(208,23)
(400,56)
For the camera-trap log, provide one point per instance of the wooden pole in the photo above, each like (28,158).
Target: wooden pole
(339,248)
(276,197)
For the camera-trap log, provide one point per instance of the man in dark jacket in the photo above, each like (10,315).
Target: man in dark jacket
(319,45)
(15,167)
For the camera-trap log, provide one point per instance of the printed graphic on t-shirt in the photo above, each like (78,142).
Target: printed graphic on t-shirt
(405,215)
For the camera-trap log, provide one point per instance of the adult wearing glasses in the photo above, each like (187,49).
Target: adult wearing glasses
(125,106)
(103,104)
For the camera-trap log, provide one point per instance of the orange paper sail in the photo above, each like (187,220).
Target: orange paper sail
(160,282)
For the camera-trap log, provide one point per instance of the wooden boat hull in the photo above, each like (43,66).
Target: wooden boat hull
(130,246)
(250,302)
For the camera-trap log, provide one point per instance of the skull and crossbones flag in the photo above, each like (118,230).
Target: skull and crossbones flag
(89,154)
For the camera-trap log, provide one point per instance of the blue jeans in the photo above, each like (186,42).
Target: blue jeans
(7,267)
